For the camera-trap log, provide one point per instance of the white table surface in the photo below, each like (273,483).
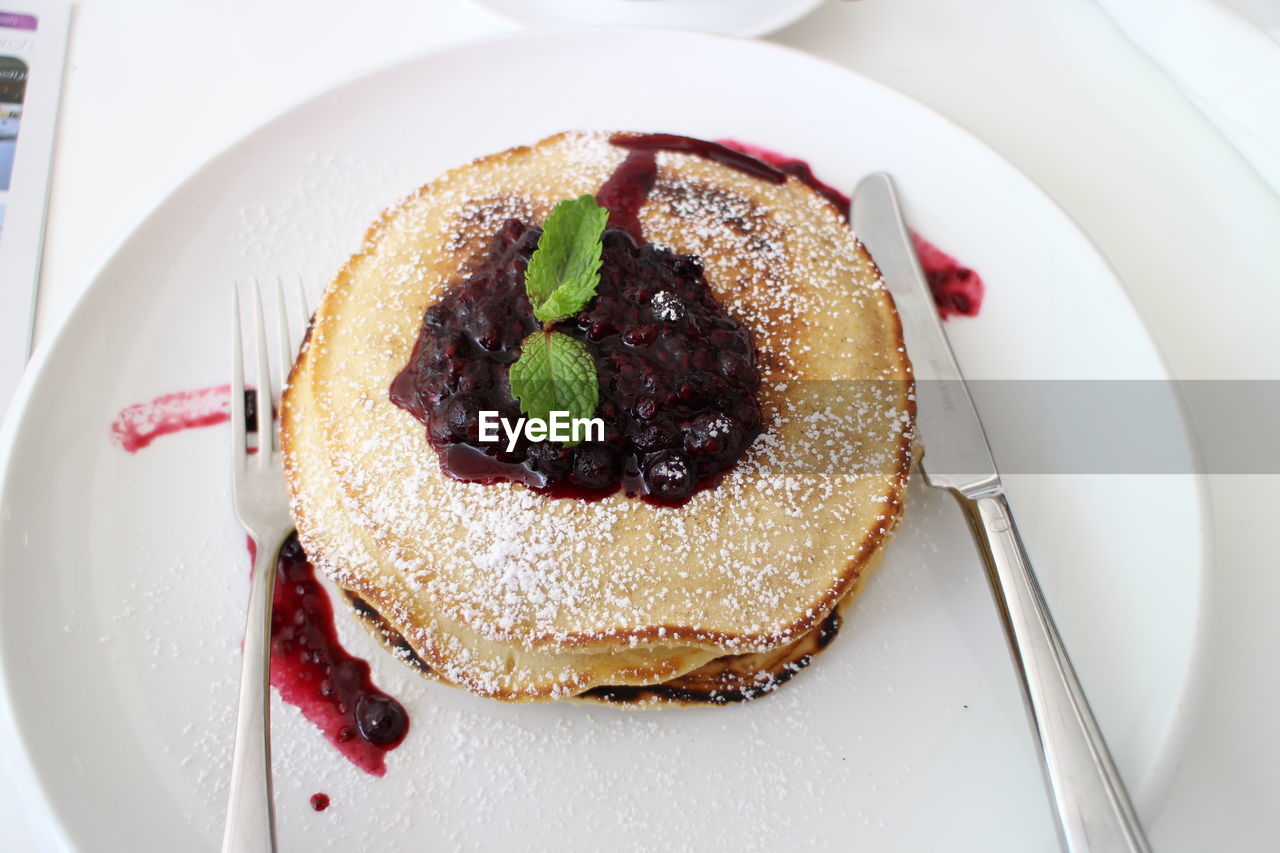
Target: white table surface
(154,88)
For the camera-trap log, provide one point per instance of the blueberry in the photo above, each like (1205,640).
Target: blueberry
(736,368)
(291,550)
(714,436)
(475,376)
(688,267)
(669,474)
(645,408)
(490,337)
(463,418)
(594,465)
(549,459)
(380,719)
(637,294)
(600,329)
(654,436)
(641,335)
(512,230)
(437,316)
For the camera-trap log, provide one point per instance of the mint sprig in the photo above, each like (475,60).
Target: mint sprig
(556,373)
(564,271)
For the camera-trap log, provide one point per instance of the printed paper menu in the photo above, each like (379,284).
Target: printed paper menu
(33,39)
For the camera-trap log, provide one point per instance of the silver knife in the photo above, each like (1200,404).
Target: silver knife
(1090,802)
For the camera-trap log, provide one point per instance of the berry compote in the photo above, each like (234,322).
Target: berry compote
(313,671)
(677,374)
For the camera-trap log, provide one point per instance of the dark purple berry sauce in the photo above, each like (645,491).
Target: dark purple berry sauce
(628,187)
(677,374)
(726,155)
(627,190)
(313,671)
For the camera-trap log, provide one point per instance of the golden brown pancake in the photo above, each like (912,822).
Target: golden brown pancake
(722,681)
(518,596)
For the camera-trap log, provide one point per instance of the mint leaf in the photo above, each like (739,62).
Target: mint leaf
(565,268)
(554,373)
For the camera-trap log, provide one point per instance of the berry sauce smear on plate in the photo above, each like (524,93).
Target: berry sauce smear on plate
(142,423)
(312,670)
(309,666)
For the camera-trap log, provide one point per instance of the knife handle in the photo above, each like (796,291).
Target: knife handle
(1093,810)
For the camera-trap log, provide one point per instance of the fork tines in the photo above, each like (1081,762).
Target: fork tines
(264,384)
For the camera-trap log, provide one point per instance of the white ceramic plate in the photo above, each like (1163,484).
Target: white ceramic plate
(722,17)
(123,578)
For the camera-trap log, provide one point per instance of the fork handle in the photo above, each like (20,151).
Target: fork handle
(1092,808)
(251,818)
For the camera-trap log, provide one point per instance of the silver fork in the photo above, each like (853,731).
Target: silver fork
(263,508)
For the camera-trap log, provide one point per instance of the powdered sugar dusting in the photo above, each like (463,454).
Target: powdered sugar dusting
(509,593)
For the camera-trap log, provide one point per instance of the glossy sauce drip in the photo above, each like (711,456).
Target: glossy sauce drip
(626,191)
(313,672)
(715,151)
(792,166)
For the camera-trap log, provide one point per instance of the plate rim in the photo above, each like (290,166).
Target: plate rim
(18,763)
(763,26)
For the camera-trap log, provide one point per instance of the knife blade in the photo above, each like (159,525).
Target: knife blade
(1092,808)
(957,455)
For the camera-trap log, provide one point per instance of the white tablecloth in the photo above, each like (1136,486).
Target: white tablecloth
(153,89)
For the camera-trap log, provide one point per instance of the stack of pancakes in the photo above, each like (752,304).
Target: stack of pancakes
(519,596)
